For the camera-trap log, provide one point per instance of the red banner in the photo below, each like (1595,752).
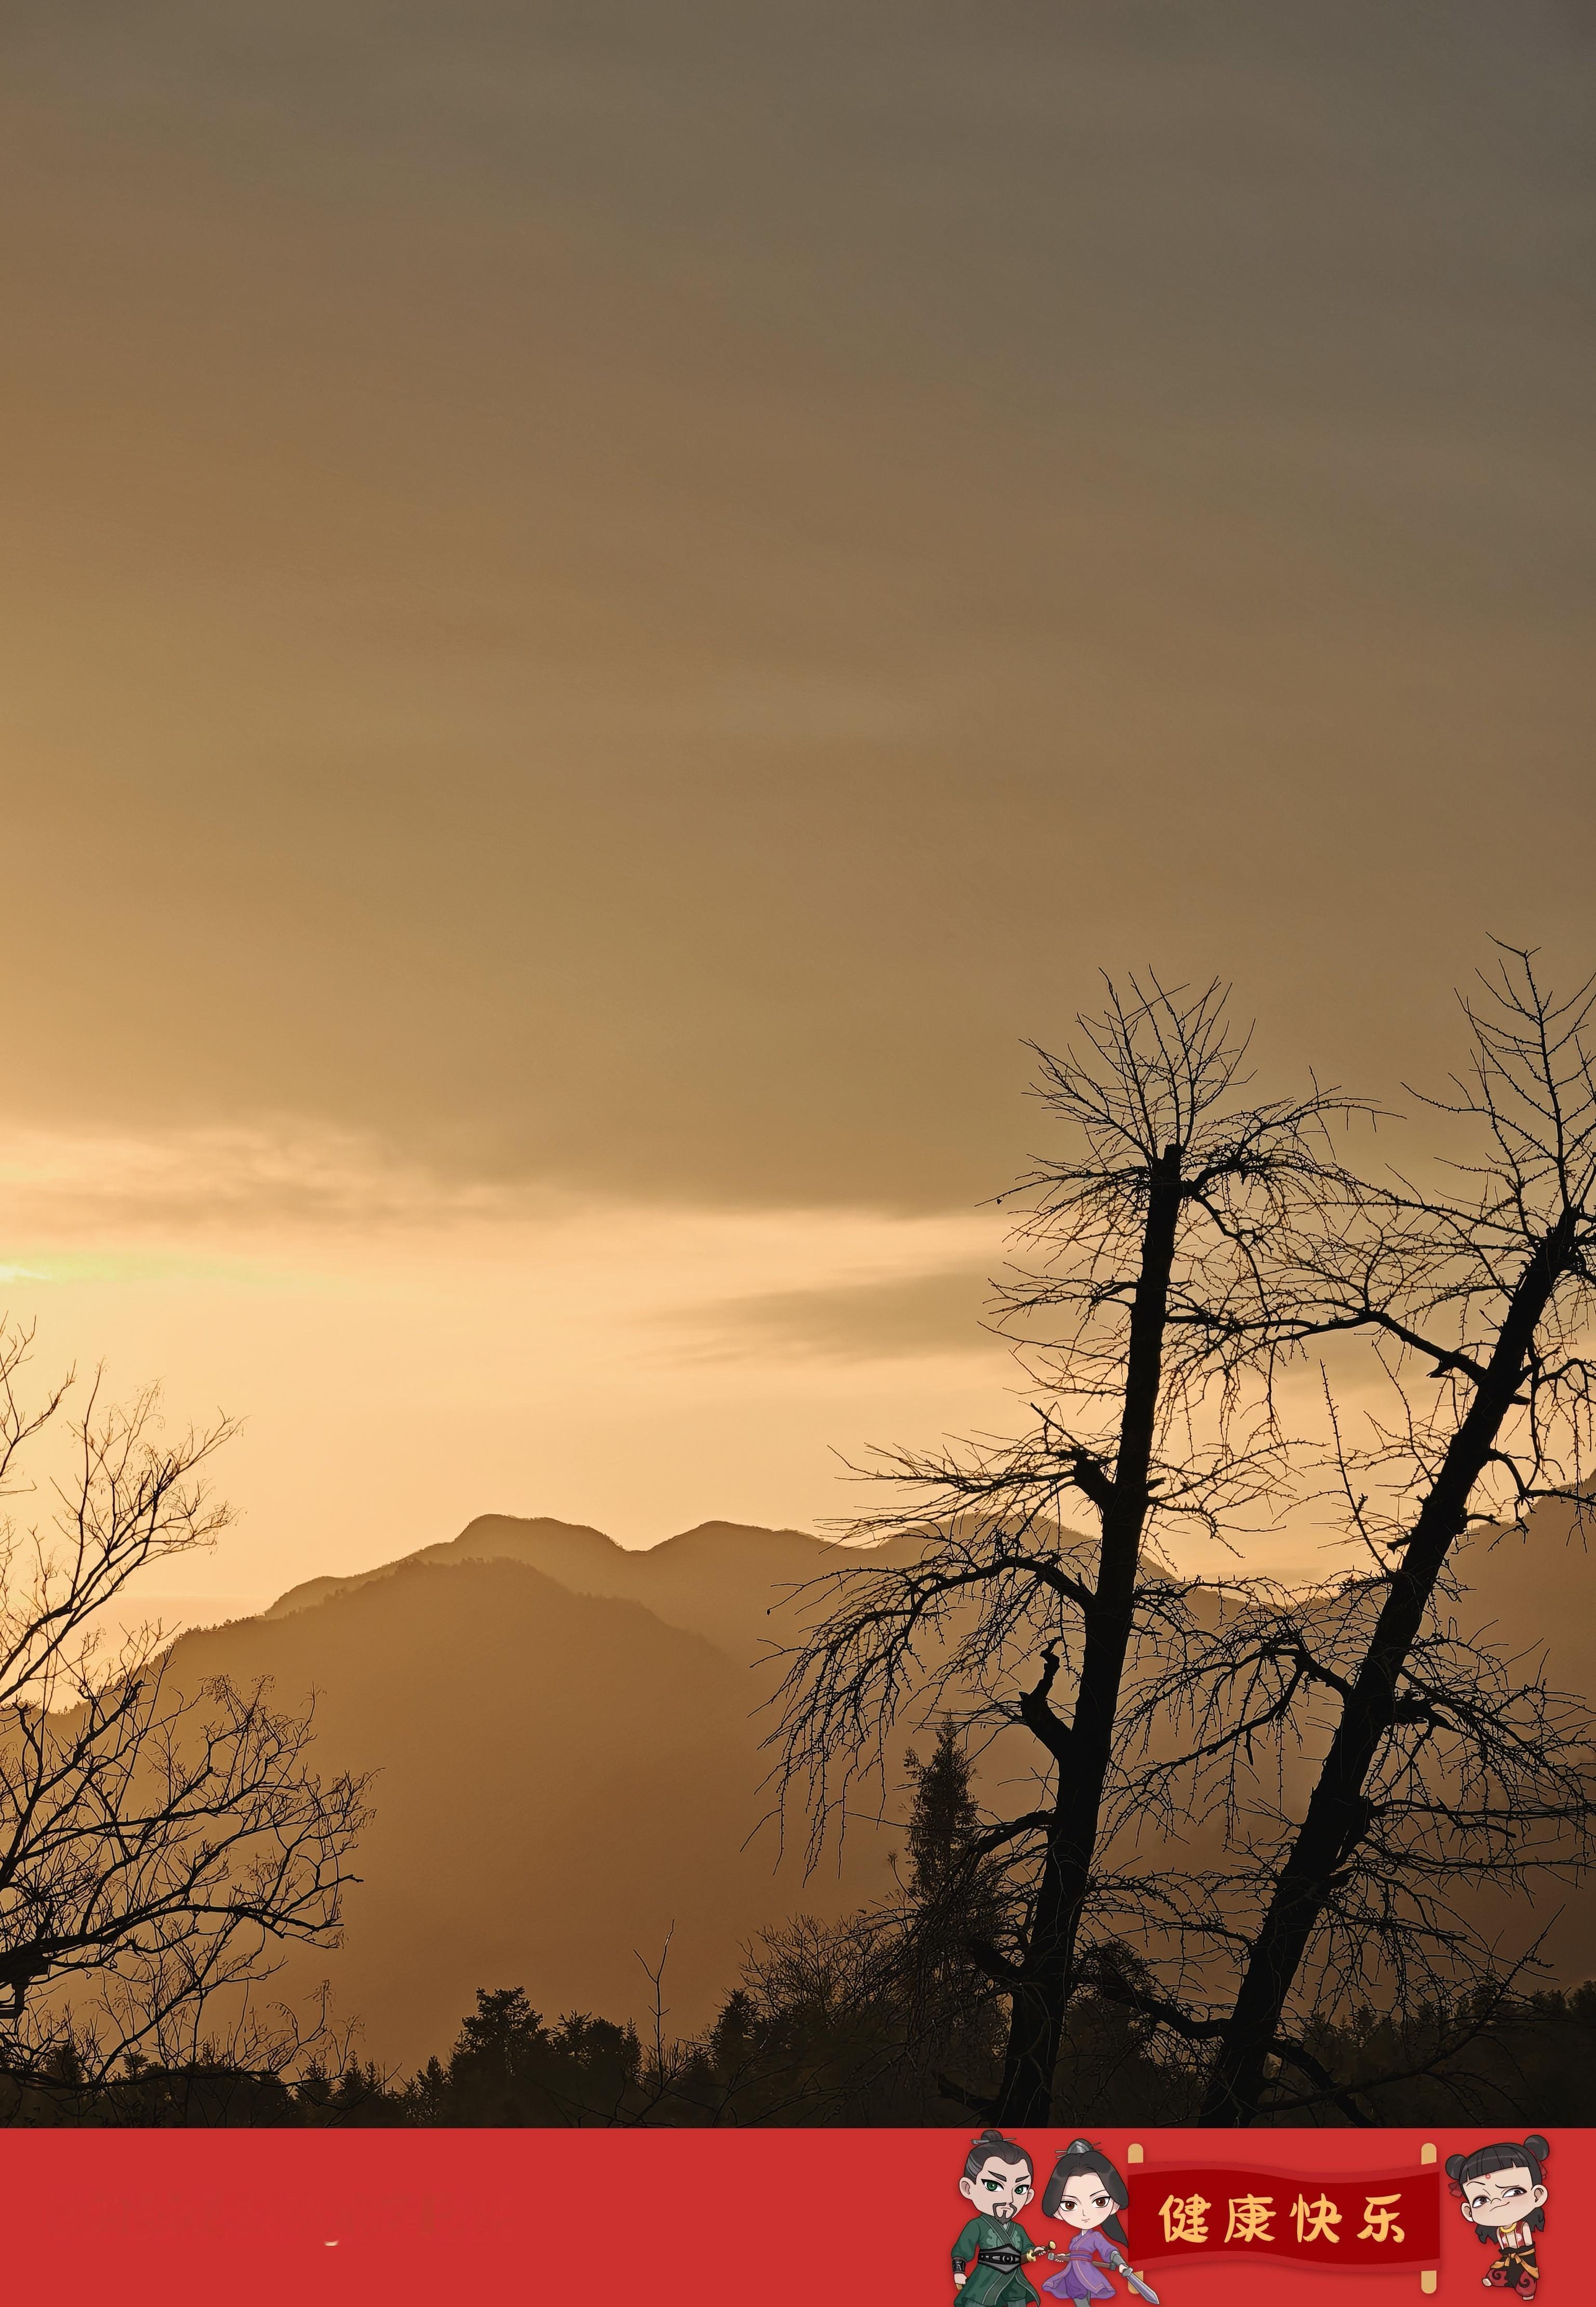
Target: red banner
(1319,2218)
(688,2218)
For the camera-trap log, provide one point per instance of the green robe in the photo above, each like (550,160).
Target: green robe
(992,2287)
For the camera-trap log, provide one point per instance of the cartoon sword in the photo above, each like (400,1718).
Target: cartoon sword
(1142,2290)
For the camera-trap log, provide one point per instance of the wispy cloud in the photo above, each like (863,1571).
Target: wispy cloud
(84,1185)
(896,1318)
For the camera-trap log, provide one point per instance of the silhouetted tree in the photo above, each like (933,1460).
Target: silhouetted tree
(1185,1253)
(155,1849)
(1443,1767)
(1164,1289)
(509,2068)
(957,1891)
(944,1820)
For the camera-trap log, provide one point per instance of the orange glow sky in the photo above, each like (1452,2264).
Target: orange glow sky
(605,606)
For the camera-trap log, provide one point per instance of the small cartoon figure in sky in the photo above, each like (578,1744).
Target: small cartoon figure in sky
(999,2179)
(1502,2193)
(1088,2194)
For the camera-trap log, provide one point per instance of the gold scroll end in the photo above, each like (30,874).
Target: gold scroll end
(1133,2153)
(1427,2154)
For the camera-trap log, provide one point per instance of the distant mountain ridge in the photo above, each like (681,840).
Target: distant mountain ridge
(730,1581)
(570,1750)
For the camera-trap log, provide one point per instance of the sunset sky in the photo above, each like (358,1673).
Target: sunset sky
(608,606)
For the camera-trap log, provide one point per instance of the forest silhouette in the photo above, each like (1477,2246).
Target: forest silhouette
(849,2022)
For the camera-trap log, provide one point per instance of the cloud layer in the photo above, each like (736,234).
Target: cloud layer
(629,597)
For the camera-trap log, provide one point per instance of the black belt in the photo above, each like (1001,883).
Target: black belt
(1006,2257)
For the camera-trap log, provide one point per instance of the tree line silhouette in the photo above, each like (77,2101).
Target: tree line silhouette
(847,2022)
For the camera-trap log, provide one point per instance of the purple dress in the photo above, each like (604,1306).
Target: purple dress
(1080,2279)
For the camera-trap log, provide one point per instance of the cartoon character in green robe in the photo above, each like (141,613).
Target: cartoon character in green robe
(999,2180)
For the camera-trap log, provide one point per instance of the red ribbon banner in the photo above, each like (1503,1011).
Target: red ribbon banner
(1207,2211)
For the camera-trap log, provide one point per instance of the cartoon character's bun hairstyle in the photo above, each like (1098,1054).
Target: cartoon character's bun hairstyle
(1079,2157)
(991,2147)
(1504,2154)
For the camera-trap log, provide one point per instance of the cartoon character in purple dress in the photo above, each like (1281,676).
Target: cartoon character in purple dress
(1085,2192)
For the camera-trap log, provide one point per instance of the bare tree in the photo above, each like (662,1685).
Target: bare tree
(155,1848)
(1443,1765)
(1165,1285)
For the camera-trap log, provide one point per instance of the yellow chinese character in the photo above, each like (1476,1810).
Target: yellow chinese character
(1183,2221)
(1250,2218)
(1379,2220)
(1314,2220)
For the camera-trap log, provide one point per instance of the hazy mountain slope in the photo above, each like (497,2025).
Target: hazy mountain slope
(564,1777)
(733,1583)
(719,1581)
(569,1762)
(736,1584)
(579,1556)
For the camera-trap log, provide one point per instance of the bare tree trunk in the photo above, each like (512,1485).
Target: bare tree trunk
(1170,1281)
(1337,1816)
(1082,1754)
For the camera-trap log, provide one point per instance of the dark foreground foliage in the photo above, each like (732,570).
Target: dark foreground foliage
(879,2019)
(764,2063)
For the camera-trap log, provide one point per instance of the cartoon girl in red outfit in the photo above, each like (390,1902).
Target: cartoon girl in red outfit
(1502,2195)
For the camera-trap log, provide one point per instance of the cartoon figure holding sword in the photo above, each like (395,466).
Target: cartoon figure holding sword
(1088,2194)
(999,2180)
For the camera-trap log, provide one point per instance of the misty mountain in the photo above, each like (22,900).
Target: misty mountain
(566,1771)
(569,1746)
(736,1586)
